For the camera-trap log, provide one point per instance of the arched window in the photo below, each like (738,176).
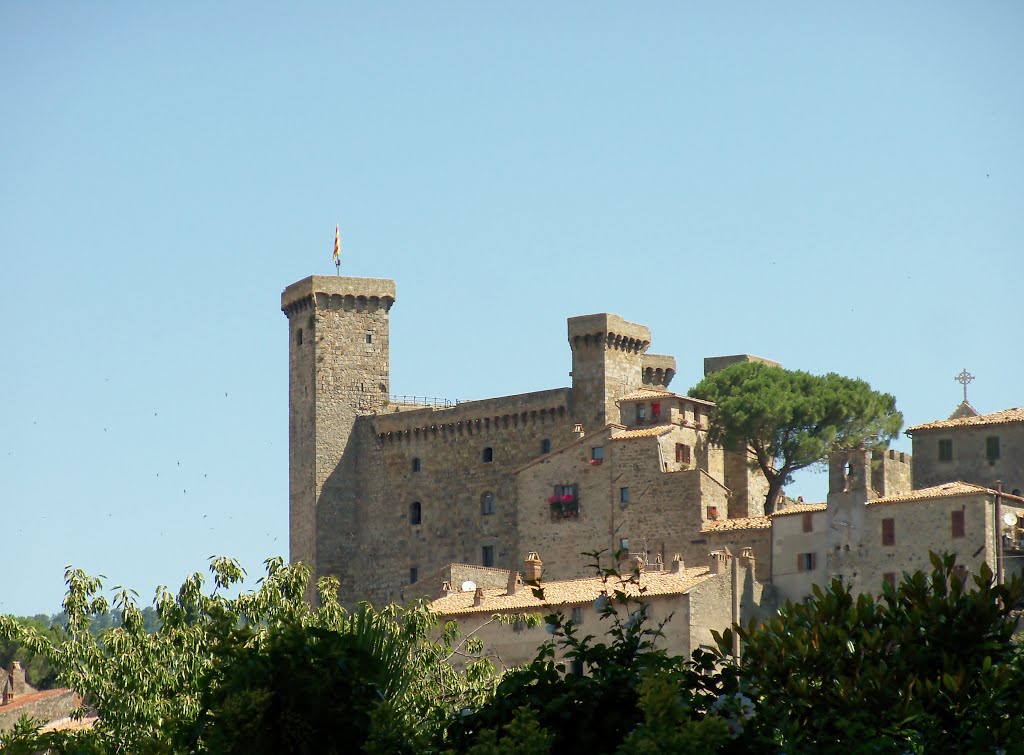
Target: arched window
(415,512)
(488,455)
(487,503)
(416,465)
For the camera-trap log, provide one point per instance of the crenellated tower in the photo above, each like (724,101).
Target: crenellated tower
(607,362)
(338,370)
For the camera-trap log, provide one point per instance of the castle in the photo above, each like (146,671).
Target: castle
(385,494)
(394,498)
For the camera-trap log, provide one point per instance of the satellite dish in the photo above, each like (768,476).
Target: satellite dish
(1009,519)
(469,585)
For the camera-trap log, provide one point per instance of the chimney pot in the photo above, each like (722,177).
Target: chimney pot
(534,567)
(677,563)
(478,596)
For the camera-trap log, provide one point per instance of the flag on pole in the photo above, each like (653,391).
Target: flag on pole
(337,245)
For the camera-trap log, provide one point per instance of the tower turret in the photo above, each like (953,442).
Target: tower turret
(607,362)
(338,369)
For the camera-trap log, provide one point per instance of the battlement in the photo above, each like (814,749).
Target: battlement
(658,369)
(890,455)
(473,417)
(608,331)
(338,292)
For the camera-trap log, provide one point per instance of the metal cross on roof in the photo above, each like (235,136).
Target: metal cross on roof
(964,378)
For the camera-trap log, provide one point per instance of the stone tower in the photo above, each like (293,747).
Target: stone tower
(607,363)
(338,365)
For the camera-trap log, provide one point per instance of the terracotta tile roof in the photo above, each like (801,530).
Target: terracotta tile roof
(570,592)
(800,508)
(32,697)
(642,432)
(650,394)
(946,490)
(738,523)
(1005,417)
(641,393)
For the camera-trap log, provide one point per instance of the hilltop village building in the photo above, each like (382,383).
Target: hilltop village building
(397,498)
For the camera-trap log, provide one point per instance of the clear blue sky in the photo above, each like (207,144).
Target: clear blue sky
(835,186)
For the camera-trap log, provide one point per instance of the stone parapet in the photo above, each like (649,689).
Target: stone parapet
(608,331)
(338,292)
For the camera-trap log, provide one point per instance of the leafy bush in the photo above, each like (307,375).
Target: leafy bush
(928,667)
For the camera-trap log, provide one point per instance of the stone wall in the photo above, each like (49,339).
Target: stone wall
(338,369)
(970,462)
(42,706)
(448,461)
(663,512)
(790,576)
(926,525)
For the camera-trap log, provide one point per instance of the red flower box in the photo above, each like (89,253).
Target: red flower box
(567,498)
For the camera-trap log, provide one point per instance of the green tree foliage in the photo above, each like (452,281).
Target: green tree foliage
(224,674)
(38,671)
(788,419)
(928,667)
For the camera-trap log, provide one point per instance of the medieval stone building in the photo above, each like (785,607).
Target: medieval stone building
(384,493)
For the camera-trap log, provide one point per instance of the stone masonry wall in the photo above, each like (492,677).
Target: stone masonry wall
(43,706)
(663,513)
(970,462)
(338,369)
(436,458)
(925,525)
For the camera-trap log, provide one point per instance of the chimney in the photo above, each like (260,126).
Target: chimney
(638,563)
(578,430)
(747,558)
(513,583)
(534,567)
(446,589)
(719,562)
(677,563)
(478,597)
(659,562)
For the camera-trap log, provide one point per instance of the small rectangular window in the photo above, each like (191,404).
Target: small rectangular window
(641,413)
(682,453)
(889,578)
(992,447)
(806,561)
(369,337)
(624,544)
(577,615)
(957,523)
(487,555)
(712,513)
(545,446)
(696,416)
(655,411)
(808,522)
(597,453)
(414,575)
(946,449)
(888,532)
(623,495)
